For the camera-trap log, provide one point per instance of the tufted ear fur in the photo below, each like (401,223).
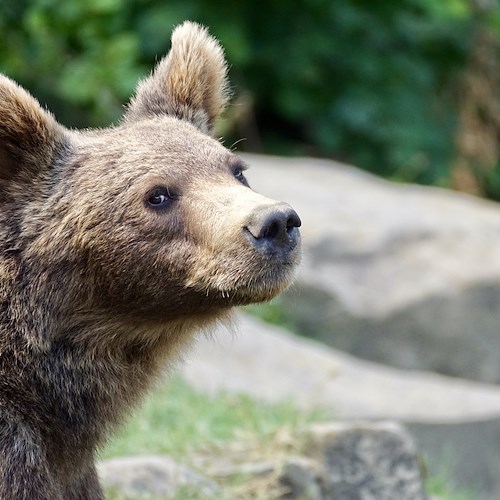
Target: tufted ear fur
(29,135)
(189,83)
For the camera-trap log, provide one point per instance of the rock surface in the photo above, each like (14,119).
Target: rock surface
(448,417)
(367,461)
(156,476)
(273,365)
(399,274)
(304,479)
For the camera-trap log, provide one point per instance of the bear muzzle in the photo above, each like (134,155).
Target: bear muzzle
(273,230)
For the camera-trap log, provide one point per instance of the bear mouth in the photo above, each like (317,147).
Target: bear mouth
(262,286)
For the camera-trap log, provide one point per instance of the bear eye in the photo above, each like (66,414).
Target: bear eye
(159,197)
(237,168)
(238,174)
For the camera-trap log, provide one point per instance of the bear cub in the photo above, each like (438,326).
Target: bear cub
(116,247)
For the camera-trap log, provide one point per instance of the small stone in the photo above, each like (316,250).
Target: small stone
(302,478)
(152,475)
(257,469)
(367,461)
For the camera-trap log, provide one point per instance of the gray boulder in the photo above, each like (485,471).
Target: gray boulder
(400,274)
(272,365)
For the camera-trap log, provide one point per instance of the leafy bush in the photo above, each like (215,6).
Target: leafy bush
(371,83)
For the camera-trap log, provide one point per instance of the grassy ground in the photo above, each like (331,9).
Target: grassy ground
(178,421)
(194,428)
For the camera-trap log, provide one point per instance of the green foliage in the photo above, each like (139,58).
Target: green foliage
(372,83)
(491,180)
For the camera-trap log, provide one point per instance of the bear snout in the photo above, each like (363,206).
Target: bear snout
(273,229)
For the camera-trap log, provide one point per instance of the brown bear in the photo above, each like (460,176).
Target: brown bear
(116,247)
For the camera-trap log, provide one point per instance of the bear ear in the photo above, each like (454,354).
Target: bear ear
(189,83)
(29,135)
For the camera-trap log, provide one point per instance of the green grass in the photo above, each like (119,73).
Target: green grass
(440,489)
(183,423)
(177,420)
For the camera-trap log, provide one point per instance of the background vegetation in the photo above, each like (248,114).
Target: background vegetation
(403,88)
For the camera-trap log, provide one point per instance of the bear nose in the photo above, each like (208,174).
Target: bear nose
(274,227)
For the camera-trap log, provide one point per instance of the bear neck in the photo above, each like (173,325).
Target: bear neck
(73,371)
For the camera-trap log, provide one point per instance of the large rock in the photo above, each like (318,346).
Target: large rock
(456,422)
(400,274)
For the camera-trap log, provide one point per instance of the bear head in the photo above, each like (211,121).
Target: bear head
(152,218)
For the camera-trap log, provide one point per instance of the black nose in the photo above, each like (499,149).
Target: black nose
(274,227)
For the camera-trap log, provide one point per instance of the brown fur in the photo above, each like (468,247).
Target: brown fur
(99,290)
